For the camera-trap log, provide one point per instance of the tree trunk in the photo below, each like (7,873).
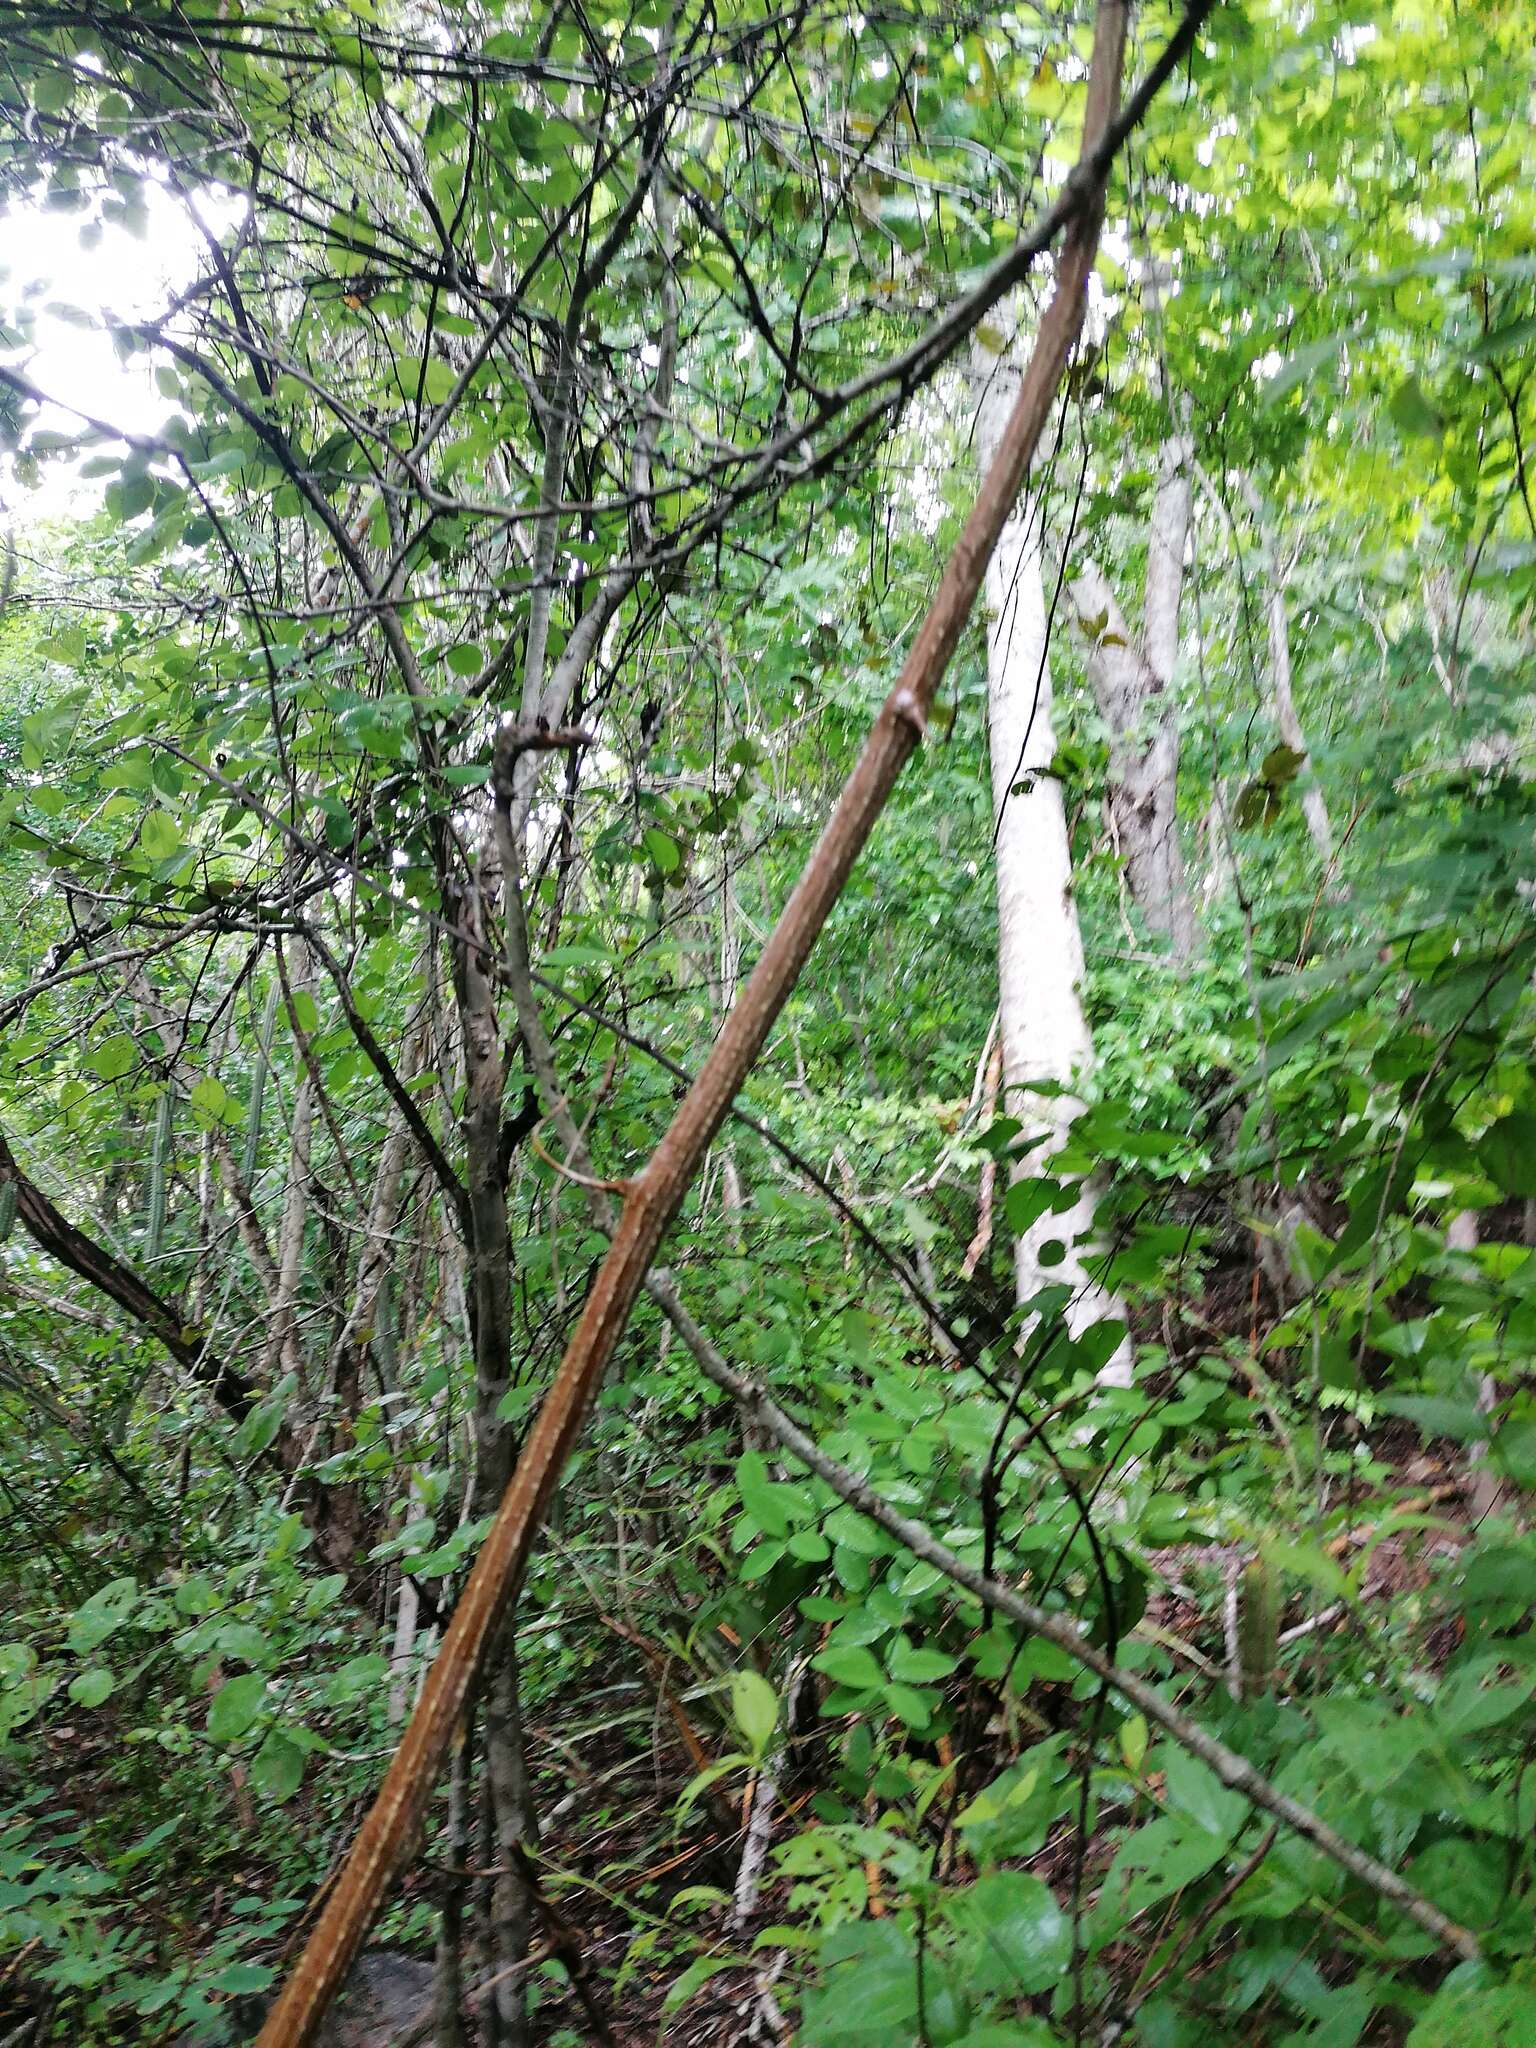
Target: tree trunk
(653,1199)
(1314,806)
(490,1273)
(1131,683)
(1045,1036)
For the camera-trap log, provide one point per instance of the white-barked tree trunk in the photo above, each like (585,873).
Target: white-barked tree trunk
(1044,1030)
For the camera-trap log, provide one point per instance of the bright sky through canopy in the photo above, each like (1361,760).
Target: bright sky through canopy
(73,292)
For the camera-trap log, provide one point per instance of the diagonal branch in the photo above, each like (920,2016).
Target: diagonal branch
(759,1408)
(655,1198)
(395,1087)
(1233,1770)
(54,1234)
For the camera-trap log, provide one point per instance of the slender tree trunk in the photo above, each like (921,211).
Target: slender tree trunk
(1131,683)
(448,1980)
(1314,805)
(490,1278)
(1045,1036)
(653,1199)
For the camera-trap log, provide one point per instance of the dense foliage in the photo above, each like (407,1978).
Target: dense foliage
(601,374)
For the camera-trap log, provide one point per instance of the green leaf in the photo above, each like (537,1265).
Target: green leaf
(665,853)
(1027,1201)
(912,1708)
(918,1665)
(1439,1415)
(235,1707)
(90,1688)
(1512,337)
(1281,765)
(243,1639)
(259,1429)
(850,1665)
(1497,1575)
(1133,1741)
(1153,1863)
(305,1013)
(115,1057)
(1307,1561)
(159,835)
(1194,1789)
(1302,367)
(1413,414)
(103,1614)
(754,1708)
(1010,2034)
(1472,1699)
(868,1993)
(212,1103)
(1012,1789)
(771,1504)
(148,1843)
(1470,2012)
(237,1980)
(53,91)
(438,381)
(277,1769)
(1018,1939)
(1383,1751)
(357,1676)
(1507,1152)
(697,1974)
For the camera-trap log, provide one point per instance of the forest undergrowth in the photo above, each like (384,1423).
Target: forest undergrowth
(767,1130)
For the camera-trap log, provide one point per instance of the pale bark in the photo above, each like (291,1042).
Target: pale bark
(1131,683)
(1044,1032)
(976,1250)
(653,1199)
(1314,806)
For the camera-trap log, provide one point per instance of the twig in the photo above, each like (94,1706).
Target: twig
(1193,1932)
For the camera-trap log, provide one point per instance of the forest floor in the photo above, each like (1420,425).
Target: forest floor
(618,1858)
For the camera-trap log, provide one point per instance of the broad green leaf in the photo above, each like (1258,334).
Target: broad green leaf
(1508,1153)
(237,1980)
(159,835)
(665,853)
(1017,1937)
(277,1768)
(115,1057)
(754,1708)
(103,1614)
(91,1687)
(1303,367)
(236,1706)
(850,1665)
